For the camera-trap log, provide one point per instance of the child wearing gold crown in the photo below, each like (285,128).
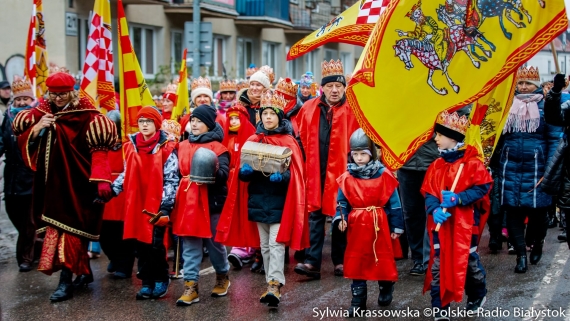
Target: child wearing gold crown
(454,264)
(375,222)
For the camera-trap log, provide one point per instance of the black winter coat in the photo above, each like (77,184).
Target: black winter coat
(267,199)
(18,178)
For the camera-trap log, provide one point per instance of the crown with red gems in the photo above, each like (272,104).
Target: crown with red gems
(201,82)
(414,8)
(332,68)
(228,85)
(250,71)
(273,100)
(22,87)
(287,87)
(453,121)
(269,72)
(529,74)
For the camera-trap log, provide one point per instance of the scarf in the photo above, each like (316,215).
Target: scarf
(524,115)
(364,171)
(147,146)
(13,111)
(451,150)
(224,106)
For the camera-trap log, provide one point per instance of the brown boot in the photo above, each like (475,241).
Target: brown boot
(190,294)
(222,285)
(273,294)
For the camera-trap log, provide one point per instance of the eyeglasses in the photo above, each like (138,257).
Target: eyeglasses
(143,121)
(60,95)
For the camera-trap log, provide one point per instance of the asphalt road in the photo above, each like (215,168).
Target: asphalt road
(545,287)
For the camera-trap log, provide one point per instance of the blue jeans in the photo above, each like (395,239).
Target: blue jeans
(192,253)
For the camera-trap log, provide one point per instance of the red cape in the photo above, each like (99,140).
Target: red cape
(361,251)
(294,229)
(343,125)
(115,208)
(455,234)
(191,213)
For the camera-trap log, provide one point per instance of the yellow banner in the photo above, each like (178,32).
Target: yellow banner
(426,57)
(182,101)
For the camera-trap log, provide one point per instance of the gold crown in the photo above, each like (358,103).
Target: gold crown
(273,100)
(287,87)
(22,86)
(332,68)
(269,72)
(453,121)
(414,8)
(528,73)
(172,87)
(201,83)
(228,85)
(171,127)
(250,71)
(53,68)
(242,84)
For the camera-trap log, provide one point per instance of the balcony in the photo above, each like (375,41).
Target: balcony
(301,19)
(264,13)
(208,8)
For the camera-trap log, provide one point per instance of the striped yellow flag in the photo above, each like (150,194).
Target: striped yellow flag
(182,103)
(134,90)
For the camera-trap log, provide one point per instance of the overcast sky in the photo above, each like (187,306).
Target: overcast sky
(567,3)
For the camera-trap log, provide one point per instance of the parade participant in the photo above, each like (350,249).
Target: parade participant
(233,228)
(169,100)
(325,126)
(306,91)
(19,179)
(525,147)
(121,253)
(276,202)
(251,97)
(454,264)
(201,94)
(5,96)
(65,141)
(228,91)
(374,222)
(250,71)
(201,204)
(288,89)
(150,180)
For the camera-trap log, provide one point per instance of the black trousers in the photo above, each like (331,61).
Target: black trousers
(413,207)
(120,252)
(535,229)
(314,254)
(19,210)
(152,264)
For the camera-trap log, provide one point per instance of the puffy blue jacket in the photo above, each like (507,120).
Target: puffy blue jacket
(523,158)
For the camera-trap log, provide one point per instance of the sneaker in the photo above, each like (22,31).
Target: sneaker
(473,306)
(144,293)
(160,289)
(418,269)
(25,267)
(438,316)
(308,270)
(190,294)
(235,260)
(562,237)
(222,285)
(511,249)
(273,294)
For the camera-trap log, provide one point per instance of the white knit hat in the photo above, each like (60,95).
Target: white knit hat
(201,91)
(261,77)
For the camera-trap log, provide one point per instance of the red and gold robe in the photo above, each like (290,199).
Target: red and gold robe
(115,208)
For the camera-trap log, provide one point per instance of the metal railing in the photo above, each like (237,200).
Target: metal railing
(258,8)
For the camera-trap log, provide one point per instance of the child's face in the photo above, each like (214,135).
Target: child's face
(234,121)
(360,157)
(444,142)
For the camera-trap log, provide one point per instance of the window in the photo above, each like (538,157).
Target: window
(311,61)
(176,42)
(549,67)
(83,24)
(143,40)
(563,67)
(292,66)
(219,55)
(347,62)
(70,3)
(244,56)
(270,58)
(331,54)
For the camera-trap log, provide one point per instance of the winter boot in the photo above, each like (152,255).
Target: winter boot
(495,243)
(273,294)
(521,266)
(64,289)
(385,295)
(222,285)
(190,294)
(82,281)
(358,303)
(536,252)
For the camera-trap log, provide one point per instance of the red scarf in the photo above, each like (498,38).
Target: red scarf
(147,146)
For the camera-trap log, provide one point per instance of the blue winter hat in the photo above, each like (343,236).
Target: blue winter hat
(307,79)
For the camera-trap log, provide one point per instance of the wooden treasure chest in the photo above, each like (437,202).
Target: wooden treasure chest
(265,158)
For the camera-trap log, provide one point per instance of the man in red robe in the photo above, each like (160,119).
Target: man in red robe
(65,141)
(325,126)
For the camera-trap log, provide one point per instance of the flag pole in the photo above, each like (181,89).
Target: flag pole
(555,55)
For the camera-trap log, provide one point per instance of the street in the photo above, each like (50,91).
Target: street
(545,287)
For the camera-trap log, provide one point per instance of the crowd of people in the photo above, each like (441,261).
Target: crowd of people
(262,170)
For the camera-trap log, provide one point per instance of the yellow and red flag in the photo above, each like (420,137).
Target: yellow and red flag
(182,102)
(134,90)
(98,76)
(353,26)
(424,58)
(36,66)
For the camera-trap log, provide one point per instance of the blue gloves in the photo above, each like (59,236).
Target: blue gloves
(246,170)
(449,199)
(276,177)
(439,216)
